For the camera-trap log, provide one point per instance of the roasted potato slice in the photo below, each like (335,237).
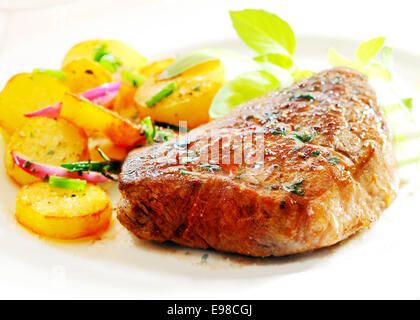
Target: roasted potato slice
(62,213)
(128,56)
(157,67)
(46,141)
(97,119)
(191,100)
(111,150)
(124,103)
(27,92)
(84,74)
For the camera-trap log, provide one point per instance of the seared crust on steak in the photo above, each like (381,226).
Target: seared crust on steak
(328,171)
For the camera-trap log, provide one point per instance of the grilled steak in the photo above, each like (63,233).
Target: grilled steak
(327,170)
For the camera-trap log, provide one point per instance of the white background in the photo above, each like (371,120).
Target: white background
(379,263)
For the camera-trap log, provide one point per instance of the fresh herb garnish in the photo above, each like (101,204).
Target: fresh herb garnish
(274,41)
(316,153)
(298,74)
(279,131)
(148,129)
(164,92)
(296,188)
(103,155)
(303,96)
(277,59)
(108,168)
(364,63)
(334,160)
(303,137)
(408,103)
(263,31)
(133,77)
(243,88)
(163,135)
(196,58)
(106,59)
(110,62)
(196,87)
(185,171)
(210,167)
(67,183)
(96,166)
(99,52)
(171,126)
(369,49)
(61,75)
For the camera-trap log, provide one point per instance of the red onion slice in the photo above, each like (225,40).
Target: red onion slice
(100,95)
(52,111)
(101,91)
(42,170)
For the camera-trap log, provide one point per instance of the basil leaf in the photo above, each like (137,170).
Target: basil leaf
(408,103)
(387,58)
(263,31)
(298,74)
(277,59)
(243,88)
(372,70)
(195,58)
(369,49)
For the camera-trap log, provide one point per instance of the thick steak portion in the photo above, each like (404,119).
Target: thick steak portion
(325,169)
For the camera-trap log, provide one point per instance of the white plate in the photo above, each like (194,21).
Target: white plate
(380,262)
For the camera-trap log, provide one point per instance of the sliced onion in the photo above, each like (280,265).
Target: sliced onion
(43,170)
(52,111)
(101,91)
(100,95)
(105,98)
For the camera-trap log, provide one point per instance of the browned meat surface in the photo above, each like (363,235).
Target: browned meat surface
(328,170)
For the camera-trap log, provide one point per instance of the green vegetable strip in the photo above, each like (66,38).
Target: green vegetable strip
(105,58)
(67,183)
(164,92)
(133,77)
(53,73)
(111,166)
(99,52)
(110,63)
(103,155)
(149,129)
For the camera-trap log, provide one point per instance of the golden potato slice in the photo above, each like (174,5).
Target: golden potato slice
(5,135)
(97,119)
(128,56)
(124,103)
(27,92)
(46,141)
(111,150)
(156,68)
(83,74)
(62,213)
(189,102)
